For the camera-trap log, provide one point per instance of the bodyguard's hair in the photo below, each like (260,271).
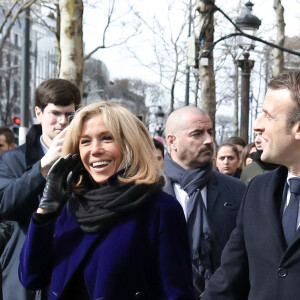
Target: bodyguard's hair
(57,91)
(291,82)
(9,135)
(139,160)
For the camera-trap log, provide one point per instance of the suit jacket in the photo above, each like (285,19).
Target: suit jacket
(224,196)
(144,256)
(256,263)
(21,186)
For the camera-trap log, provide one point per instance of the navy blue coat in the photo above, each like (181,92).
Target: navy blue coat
(256,263)
(21,186)
(144,256)
(224,196)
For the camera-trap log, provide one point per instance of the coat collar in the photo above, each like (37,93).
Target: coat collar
(274,194)
(33,150)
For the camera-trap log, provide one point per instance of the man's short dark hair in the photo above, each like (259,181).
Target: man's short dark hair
(160,146)
(9,135)
(236,140)
(291,82)
(58,91)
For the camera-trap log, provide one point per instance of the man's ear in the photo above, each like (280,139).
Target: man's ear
(11,146)
(296,130)
(38,113)
(172,142)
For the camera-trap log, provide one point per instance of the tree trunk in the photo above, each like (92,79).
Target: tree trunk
(71,42)
(278,54)
(207,74)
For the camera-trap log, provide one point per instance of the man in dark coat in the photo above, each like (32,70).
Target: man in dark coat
(210,200)
(23,171)
(257,166)
(262,258)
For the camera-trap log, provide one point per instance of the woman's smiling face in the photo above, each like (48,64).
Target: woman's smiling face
(100,154)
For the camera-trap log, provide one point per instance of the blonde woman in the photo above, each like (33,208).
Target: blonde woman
(111,234)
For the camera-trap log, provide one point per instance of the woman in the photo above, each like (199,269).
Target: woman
(246,158)
(119,236)
(227,161)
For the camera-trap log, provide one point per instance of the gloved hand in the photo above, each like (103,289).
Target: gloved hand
(58,187)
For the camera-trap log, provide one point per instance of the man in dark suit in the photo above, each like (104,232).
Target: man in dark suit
(262,258)
(23,171)
(210,200)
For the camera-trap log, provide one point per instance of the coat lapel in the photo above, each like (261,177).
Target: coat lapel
(273,196)
(212,192)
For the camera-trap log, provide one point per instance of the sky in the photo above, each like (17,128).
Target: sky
(119,60)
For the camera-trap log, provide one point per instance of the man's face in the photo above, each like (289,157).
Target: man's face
(4,145)
(277,140)
(192,146)
(257,140)
(53,119)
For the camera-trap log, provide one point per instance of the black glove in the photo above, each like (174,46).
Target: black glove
(58,187)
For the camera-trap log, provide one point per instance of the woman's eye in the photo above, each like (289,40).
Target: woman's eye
(107,138)
(84,141)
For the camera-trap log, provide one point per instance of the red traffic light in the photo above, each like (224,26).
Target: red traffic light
(16,120)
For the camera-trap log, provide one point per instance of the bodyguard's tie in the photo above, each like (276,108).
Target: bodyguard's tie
(290,215)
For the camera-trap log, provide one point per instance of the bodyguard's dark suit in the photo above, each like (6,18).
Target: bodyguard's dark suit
(21,185)
(256,263)
(224,196)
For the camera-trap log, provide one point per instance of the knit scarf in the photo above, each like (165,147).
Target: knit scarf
(192,182)
(97,209)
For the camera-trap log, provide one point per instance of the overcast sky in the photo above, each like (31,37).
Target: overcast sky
(118,59)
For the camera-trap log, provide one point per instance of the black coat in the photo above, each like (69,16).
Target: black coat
(21,186)
(224,196)
(256,263)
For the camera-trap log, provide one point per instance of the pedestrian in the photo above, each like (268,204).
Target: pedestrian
(160,152)
(247,155)
(262,257)
(257,166)
(7,139)
(23,171)
(228,160)
(210,200)
(119,236)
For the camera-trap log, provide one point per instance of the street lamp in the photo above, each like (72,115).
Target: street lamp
(160,121)
(249,24)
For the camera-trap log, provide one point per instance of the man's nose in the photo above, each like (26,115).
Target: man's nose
(259,124)
(208,139)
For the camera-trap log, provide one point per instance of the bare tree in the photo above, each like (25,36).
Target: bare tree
(168,43)
(207,74)
(278,54)
(71,41)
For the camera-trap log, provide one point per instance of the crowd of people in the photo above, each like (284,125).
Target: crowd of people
(97,209)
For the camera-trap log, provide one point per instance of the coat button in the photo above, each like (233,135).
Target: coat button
(138,295)
(282,272)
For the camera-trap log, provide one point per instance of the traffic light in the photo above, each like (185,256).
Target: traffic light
(15,128)
(16,120)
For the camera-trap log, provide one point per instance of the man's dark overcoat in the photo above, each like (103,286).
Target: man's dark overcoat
(21,186)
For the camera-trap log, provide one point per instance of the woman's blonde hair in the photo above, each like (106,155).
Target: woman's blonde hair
(139,160)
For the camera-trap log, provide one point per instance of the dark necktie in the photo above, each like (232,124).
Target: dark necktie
(290,215)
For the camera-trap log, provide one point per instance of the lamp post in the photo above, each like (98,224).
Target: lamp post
(249,24)
(160,119)
(246,65)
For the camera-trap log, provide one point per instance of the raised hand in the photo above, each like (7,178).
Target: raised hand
(58,187)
